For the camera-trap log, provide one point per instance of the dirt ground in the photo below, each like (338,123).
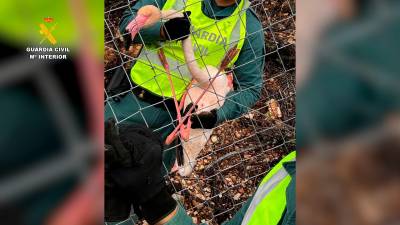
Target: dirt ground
(241,151)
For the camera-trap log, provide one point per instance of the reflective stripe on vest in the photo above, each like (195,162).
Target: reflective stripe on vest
(210,38)
(269,201)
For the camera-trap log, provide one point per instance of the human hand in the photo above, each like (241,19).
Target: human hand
(141,180)
(177,28)
(206,119)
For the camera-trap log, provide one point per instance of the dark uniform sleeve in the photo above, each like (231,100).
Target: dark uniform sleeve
(247,73)
(147,35)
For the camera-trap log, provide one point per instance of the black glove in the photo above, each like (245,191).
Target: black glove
(134,160)
(117,207)
(206,120)
(115,152)
(139,178)
(177,28)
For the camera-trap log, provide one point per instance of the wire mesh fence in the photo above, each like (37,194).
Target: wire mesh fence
(240,151)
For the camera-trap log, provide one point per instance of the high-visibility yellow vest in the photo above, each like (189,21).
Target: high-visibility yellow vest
(211,40)
(269,202)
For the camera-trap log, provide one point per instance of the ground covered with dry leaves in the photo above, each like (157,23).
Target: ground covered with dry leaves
(241,151)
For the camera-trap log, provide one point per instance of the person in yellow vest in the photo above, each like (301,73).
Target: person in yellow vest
(134,177)
(214,26)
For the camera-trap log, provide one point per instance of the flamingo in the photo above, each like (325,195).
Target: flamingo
(207,95)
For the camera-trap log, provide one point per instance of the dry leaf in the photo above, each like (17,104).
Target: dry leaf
(274,109)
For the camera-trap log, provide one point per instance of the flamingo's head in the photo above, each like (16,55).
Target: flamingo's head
(151,13)
(147,16)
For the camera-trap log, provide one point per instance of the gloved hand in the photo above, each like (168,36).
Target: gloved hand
(206,120)
(140,176)
(115,152)
(177,28)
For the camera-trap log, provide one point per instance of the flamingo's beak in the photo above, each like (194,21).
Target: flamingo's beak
(136,24)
